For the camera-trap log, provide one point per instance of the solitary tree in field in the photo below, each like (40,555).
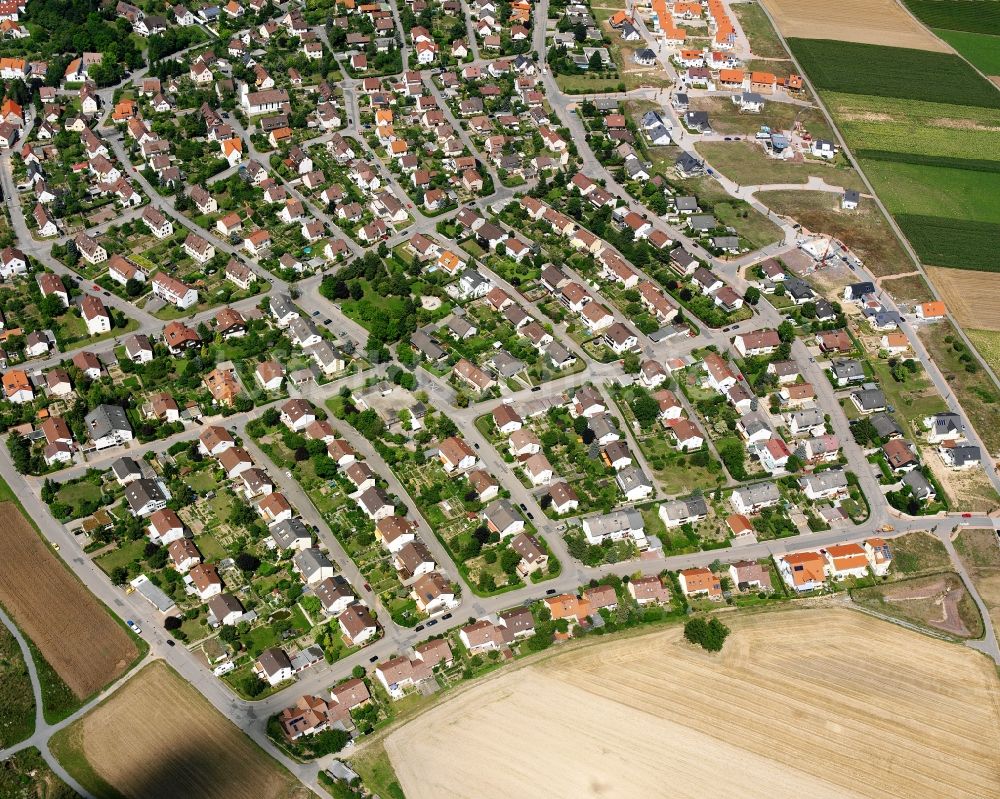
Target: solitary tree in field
(709,634)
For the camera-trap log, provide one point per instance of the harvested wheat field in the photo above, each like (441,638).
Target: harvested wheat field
(865,21)
(158,738)
(823,703)
(972,297)
(73,631)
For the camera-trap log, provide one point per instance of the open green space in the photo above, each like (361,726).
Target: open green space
(963,244)
(17,702)
(958,15)
(122,556)
(728,120)
(26,775)
(746,164)
(588,84)
(981,49)
(748,222)
(936,191)
(892,72)
(764,42)
(972,386)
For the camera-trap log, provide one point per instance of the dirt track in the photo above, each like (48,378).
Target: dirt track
(865,21)
(818,703)
(69,626)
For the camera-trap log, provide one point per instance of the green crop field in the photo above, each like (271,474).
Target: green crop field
(982,49)
(958,243)
(971,164)
(936,191)
(892,72)
(913,126)
(982,16)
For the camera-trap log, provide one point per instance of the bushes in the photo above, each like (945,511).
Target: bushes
(710,634)
(733,455)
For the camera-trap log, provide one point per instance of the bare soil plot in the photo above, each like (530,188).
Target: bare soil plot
(73,631)
(939,601)
(968,490)
(972,297)
(980,552)
(825,702)
(158,738)
(865,230)
(865,21)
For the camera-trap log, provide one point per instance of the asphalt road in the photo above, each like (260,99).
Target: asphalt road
(252,716)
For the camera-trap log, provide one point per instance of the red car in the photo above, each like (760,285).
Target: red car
(966,515)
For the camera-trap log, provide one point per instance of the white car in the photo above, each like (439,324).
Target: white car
(134,627)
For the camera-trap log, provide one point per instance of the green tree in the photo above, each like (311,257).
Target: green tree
(710,634)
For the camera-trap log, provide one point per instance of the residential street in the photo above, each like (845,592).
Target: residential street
(394,639)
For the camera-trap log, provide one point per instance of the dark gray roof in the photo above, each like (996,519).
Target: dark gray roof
(140,493)
(919,484)
(105,420)
(286,533)
(885,425)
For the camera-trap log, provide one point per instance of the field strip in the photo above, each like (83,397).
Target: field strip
(884,22)
(72,630)
(627,716)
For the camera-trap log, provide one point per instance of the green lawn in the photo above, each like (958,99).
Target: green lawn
(122,556)
(390,307)
(375,769)
(210,548)
(78,493)
(748,223)
(584,84)
(203,481)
